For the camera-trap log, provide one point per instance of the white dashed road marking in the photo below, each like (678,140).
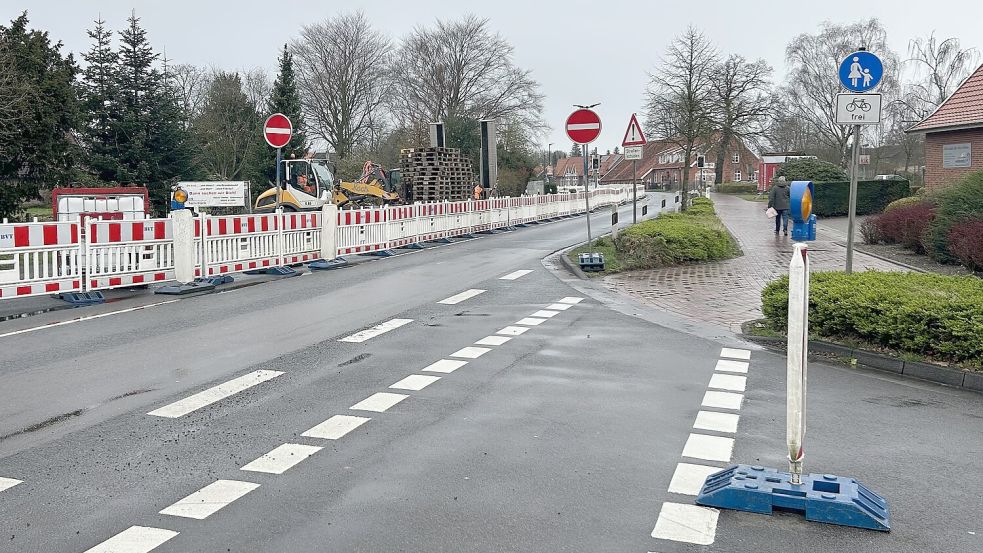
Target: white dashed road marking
(688,479)
(559,306)
(379,402)
(470,352)
(493,340)
(213,394)
(722,400)
(572,300)
(135,539)
(282,458)
(731,382)
(210,499)
(545,314)
(686,523)
(515,275)
(377,330)
(335,427)
(458,298)
(445,366)
(512,330)
(415,382)
(727,365)
(717,422)
(735,353)
(7,483)
(711,448)
(529,321)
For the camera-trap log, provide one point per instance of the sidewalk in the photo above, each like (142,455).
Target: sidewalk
(728,293)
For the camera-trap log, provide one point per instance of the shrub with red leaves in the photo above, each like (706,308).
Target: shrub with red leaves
(906,225)
(966,243)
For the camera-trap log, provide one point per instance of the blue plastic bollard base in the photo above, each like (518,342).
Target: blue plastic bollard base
(820,497)
(413,246)
(82,298)
(325,265)
(800,232)
(216,280)
(383,253)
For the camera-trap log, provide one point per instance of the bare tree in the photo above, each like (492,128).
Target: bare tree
(190,84)
(813,82)
(257,86)
(741,93)
(342,68)
(940,68)
(680,96)
(463,69)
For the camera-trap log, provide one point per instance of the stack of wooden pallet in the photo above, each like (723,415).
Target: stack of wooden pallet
(436,174)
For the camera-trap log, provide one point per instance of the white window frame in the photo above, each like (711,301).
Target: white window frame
(736,158)
(737,176)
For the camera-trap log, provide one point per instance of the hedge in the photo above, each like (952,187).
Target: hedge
(807,168)
(694,235)
(928,314)
(833,198)
(959,202)
(735,188)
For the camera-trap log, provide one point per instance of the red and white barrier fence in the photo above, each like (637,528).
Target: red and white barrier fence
(50,258)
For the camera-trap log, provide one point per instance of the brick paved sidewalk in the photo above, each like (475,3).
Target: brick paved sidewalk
(728,293)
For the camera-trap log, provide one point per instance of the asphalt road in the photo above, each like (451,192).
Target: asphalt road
(565,437)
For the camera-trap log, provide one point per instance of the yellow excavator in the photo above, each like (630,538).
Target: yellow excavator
(306,185)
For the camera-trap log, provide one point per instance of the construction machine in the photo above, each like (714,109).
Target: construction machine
(306,185)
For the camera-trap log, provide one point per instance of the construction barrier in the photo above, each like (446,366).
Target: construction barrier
(51,258)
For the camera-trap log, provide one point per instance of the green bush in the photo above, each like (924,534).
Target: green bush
(904,202)
(695,235)
(833,198)
(810,169)
(929,314)
(959,202)
(735,188)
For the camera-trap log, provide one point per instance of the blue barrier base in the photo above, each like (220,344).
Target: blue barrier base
(382,253)
(443,241)
(83,298)
(182,289)
(284,271)
(522,225)
(490,231)
(216,280)
(820,497)
(413,246)
(325,265)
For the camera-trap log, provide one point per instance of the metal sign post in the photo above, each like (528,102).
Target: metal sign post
(583,127)
(852,210)
(634,192)
(633,142)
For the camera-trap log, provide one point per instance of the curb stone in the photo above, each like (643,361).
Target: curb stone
(956,378)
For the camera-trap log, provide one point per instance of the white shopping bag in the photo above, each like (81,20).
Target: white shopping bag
(771,213)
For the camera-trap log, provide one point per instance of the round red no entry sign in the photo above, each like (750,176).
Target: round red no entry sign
(583,126)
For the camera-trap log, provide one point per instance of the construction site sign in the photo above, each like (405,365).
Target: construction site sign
(215,193)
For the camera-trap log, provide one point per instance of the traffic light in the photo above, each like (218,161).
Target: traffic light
(701,161)
(597,162)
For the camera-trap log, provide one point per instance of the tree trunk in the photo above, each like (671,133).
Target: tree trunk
(726,135)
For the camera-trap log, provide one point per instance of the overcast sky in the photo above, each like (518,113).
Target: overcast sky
(581,52)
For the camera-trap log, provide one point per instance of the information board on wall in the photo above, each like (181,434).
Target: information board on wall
(956,156)
(215,193)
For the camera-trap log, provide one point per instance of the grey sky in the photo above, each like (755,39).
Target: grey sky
(581,52)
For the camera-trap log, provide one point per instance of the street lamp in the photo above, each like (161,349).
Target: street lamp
(549,163)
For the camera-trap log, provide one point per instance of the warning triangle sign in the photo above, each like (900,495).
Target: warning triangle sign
(634,136)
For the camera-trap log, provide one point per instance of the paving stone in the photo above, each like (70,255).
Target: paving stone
(728,293)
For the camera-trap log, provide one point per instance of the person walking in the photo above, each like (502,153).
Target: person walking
(779,200)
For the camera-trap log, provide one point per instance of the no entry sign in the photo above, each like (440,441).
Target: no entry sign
(277,130)
(583,126)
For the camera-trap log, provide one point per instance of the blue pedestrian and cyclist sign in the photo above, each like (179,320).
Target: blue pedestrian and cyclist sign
(861,71)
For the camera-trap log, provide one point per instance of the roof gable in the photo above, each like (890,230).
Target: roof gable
(963,109)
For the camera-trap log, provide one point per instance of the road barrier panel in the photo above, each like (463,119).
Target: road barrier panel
(39,259)
(819,497)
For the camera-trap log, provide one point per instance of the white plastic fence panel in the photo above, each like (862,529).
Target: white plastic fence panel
(128,253)
(39,258)
(361,230)
(302,236)
(238,243)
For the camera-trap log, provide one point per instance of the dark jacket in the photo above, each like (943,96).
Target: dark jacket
(778,198)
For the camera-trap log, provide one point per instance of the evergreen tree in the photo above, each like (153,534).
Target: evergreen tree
(575,151)
(36,144)
(228,133)
(285,99)
(98,95)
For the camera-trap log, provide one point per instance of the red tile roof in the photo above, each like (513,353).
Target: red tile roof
(963,109)
(575,165)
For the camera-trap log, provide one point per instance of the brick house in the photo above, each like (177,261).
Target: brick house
(662,165)
(954,134)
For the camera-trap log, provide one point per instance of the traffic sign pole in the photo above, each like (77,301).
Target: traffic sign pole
(583,127)
(279,190)
(852,212)
(587,197)
(634,192)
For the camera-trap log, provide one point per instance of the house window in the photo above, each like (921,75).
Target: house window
(737,176)
(736,158)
